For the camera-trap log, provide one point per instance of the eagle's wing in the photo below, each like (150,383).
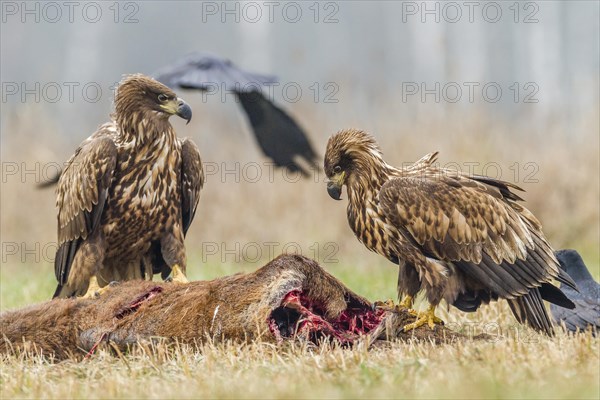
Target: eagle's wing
(477,225)
(81,195)
(278,135)
(192,180)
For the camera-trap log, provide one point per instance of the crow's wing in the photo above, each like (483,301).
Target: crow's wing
(203,71)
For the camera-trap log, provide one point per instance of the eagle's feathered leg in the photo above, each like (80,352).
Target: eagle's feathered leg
(408,285)
(430,276)
(406,302)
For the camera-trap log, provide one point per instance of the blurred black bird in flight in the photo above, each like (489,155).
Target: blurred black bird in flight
(279,137)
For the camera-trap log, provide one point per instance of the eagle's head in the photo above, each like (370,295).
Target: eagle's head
(349,153)
(139,96)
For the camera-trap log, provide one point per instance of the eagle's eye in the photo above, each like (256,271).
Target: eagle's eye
(163,98)
(337,169)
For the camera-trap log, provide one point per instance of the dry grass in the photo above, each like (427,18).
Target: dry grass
(251,215)
(564,367)
(515,363)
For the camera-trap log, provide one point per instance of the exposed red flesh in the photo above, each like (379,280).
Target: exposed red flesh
(346,327)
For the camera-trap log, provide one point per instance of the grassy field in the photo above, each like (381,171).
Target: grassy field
(237,218)
(514,363)
(545,369)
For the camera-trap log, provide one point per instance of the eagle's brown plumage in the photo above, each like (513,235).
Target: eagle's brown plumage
(464,239)
(129,193)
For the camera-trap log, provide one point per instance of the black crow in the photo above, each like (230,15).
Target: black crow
(279,137)
(587,301)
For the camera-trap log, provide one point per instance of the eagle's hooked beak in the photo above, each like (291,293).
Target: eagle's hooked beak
(184,111)
(334,186)
(178,107)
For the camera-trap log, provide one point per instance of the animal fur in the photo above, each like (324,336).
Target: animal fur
(236,307)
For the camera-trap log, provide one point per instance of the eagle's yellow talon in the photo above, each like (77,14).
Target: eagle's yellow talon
(406,303)
(177,275)
(94,290)
(413,312)
(428,317)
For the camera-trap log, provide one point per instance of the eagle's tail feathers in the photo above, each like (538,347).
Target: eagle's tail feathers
(530,309)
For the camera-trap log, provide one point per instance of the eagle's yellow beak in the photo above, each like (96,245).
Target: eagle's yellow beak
(334,186)
(179,108)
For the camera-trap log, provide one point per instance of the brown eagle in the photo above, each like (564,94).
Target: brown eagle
(128,195)
(462,239)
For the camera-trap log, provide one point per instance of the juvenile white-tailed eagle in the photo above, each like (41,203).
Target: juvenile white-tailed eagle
(464,239)
(128,193)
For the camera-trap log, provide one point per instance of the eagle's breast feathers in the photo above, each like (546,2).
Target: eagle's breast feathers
(145,198)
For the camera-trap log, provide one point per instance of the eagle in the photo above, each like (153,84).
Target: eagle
(277,134)
(586,314)
(128,195)
(459,238)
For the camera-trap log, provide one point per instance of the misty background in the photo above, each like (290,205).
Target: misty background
(374,52)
